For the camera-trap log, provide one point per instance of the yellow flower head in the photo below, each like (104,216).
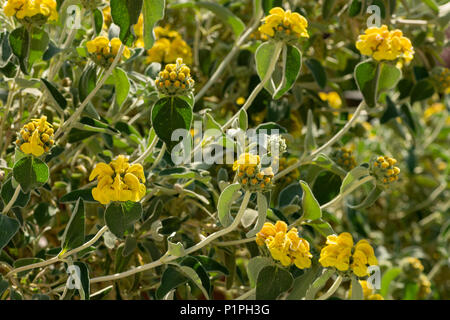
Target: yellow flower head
(384,170)
(285,246)
(338,252)
(435,108)
(382,44)
(333,99)
(118,181)
(36,137)
(284,25)
(168,47)
(38,11)
(250,174)
(240,101)
(104,51)
(175,79)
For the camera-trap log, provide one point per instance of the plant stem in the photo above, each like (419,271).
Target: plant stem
(59,258)
(255,92)
(159,157)
(12,201)
(330,142)
(147,151)
(346,192)
(226,61)
(332,289)
(69,123)
(167,259)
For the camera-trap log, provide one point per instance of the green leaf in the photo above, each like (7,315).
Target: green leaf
(168,115)
(84,279)
(74,233)
(366,79)
(8,192)
(291,70)
(386,280)
(353,176)
(318,284)
(98,21)
(310,141)
(57,97)
(73,196)
(28,47)
(374,194)
(357,290)
(254,266)
(224,204)
(422,90)
(87,83)
(212,265)
(153,12)
(8,228)
(272,281)
(125,14)
(311,208)
(317,70)
(120,217)
(321,226)
(171,278)
(263,56)
(389,77)
(323,161)
(121,261)
(262,214)
(30,173)
(302,283)
(432,5)
(195,270)
(243,120)
(41,214)
(122,85)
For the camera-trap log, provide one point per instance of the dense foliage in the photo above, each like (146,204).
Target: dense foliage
(264,149)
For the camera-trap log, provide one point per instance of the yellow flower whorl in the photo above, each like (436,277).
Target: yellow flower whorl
(32,9)
(168,47)
(285,246)
(338,254)
(382,44)
(103,51)
(36,137)
(284,25)
(118,181)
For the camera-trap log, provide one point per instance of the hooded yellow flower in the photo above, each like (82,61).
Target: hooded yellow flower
(23,9)
(382,44)
(338,252)
(36,137)
(286,25)
(333,99)
(285,246)
(118,181)
(103,51)
(168,47)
